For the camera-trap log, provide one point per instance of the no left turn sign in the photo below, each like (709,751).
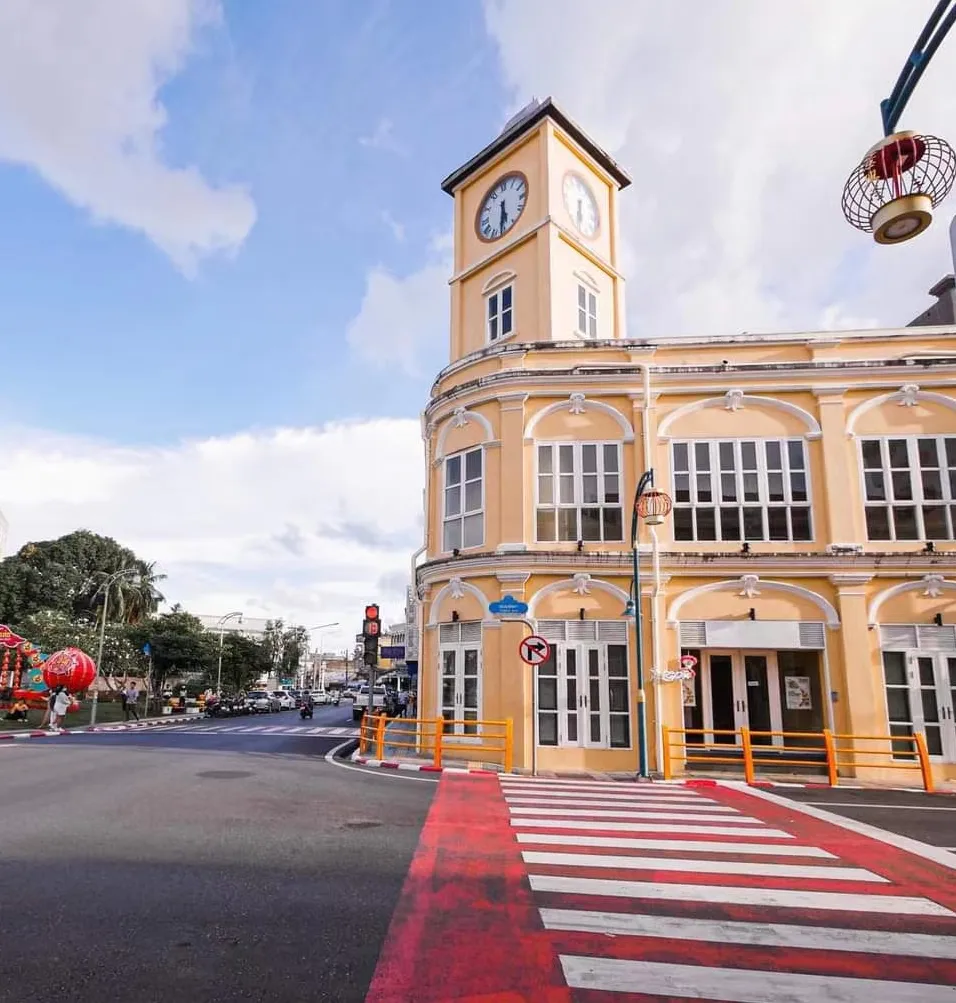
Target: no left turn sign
(534,650)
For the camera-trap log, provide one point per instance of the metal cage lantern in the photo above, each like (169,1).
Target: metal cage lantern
(894,189)
(654,506)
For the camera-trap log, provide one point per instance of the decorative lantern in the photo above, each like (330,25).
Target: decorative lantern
(654,506)
(894,189)
(71,668)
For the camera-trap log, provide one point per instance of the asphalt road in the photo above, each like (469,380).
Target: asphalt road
(198,865)
(930,818)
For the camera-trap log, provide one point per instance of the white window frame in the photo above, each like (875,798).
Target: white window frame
(462,512)
(459,637)
(588,312)
(947,502)
(578,474)
(763,487)
(495,311)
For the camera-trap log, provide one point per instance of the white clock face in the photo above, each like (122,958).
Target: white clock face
(581,204)
(502,206)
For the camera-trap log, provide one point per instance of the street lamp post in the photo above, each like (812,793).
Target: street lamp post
(105,588)
(652,506)
(320,626)
(223,620)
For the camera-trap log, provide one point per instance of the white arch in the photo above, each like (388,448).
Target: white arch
(458,419)
(566,584)
(830,614)
(932,586)
(735,399)
(627,429)
(447,589)
(499,279)
(907,396)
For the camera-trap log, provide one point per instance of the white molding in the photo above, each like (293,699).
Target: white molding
(570,585)
(587,279)
(513,577)
(754,585)
(928,583)
(734,399)
(573,400)
(499,279)
(511,548)
(457,585)
(454,420)
(907,395)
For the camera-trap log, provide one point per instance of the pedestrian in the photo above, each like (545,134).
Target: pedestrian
(18,712)
(132,695)
(403,703)
(61,704)
(48,713)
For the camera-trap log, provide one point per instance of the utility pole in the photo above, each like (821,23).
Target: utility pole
(116,576)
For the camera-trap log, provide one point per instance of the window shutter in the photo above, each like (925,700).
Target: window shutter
(812,634)
(898,636)
(693,634)
(581,630)
(552,630)
(936,638)
(471,632)
(449,633)
(613,631)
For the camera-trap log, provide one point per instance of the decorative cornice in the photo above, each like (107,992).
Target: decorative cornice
(849,578)
(513,577)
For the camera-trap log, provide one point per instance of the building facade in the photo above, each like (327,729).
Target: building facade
(808,564)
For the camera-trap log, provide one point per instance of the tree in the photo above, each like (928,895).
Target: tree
(295,645)
(244,660)
(178,646)
(273,640)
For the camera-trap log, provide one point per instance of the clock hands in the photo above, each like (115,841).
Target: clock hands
(504,215)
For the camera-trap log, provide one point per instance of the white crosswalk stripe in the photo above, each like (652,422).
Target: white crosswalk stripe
(264,729)
(586,843)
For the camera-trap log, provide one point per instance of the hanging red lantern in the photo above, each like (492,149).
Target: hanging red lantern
(71,668)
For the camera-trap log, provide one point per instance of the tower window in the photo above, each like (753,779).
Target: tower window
(587,312)
(501,313)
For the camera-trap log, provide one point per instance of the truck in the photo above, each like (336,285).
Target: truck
(360,704)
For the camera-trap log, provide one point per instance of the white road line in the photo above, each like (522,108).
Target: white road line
(815,938)
(780,898)
(380,774)
(744,867)
(623,813)
(699,830)
(856,804)
(652,790)
(914,846)
(738,985)
(683,845)
(525,791)
(712,808)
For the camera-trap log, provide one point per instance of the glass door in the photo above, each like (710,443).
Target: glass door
(757,697)
(724,702)
(460,690)
(920,696)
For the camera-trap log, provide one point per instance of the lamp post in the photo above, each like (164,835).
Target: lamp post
(652,506)
(321,626)
(223,620)
(105,589)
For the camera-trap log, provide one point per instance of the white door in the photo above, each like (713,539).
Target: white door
(742,690)
(920,696)
(460,682)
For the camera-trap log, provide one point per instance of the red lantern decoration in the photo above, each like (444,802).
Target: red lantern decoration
(71,668)
(654,506)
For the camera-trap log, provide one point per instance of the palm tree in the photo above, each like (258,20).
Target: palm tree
(140,596)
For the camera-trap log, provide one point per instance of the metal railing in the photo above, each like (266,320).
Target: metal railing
(832,752)
(380,735)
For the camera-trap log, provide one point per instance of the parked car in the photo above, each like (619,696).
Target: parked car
(286,700)
(320,697)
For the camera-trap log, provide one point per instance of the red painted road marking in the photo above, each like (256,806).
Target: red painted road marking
(466,928)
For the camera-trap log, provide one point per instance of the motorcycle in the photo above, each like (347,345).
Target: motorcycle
(305,711)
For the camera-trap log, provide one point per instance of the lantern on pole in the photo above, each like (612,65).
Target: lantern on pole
(70,668)
(654,506)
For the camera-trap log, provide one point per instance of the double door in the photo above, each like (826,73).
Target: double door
(920,696)
(583,697)
(742,690)
(460,688)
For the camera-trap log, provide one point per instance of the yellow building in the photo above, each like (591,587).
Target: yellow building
(808,563)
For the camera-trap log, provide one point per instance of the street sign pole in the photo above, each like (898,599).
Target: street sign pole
(534,693)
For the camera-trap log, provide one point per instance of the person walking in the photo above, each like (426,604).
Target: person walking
(403,703)
(48,713)
(132,696)
(61,704)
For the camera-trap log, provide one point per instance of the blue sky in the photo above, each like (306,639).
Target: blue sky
(278,99)
(225,251)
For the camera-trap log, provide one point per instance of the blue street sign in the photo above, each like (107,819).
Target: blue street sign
(147,650)
(508,606)
(392,651)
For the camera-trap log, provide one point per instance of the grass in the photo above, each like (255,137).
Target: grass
(107,712)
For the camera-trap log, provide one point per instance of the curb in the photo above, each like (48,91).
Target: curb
(387,764)
(91,729)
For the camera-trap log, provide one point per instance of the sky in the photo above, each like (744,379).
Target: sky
(225,252)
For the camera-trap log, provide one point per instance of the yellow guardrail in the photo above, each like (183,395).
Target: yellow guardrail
(430,736)
(835,751)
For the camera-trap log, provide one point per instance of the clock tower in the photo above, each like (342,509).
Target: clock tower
(536,238)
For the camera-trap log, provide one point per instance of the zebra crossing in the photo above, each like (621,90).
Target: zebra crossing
(326,731)
(668,892)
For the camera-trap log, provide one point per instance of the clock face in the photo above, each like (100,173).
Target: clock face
(581,204)
(502,206)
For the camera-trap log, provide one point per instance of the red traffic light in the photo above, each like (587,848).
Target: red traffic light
(371,612)
(371,628)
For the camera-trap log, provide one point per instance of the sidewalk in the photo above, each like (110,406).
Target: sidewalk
(150,722)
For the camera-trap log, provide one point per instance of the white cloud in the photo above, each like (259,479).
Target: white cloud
(283,523)
(382,137)
(403,318)
(739,121)
(79,86)
(398,230)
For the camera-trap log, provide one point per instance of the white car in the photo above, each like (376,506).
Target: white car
(258,702)
(321,697)
(286,699)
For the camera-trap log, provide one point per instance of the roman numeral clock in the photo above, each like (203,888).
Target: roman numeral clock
(502,206)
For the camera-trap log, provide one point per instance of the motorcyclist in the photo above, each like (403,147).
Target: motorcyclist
(307,704)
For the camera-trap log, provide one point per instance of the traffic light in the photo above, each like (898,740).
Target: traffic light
(371,631)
